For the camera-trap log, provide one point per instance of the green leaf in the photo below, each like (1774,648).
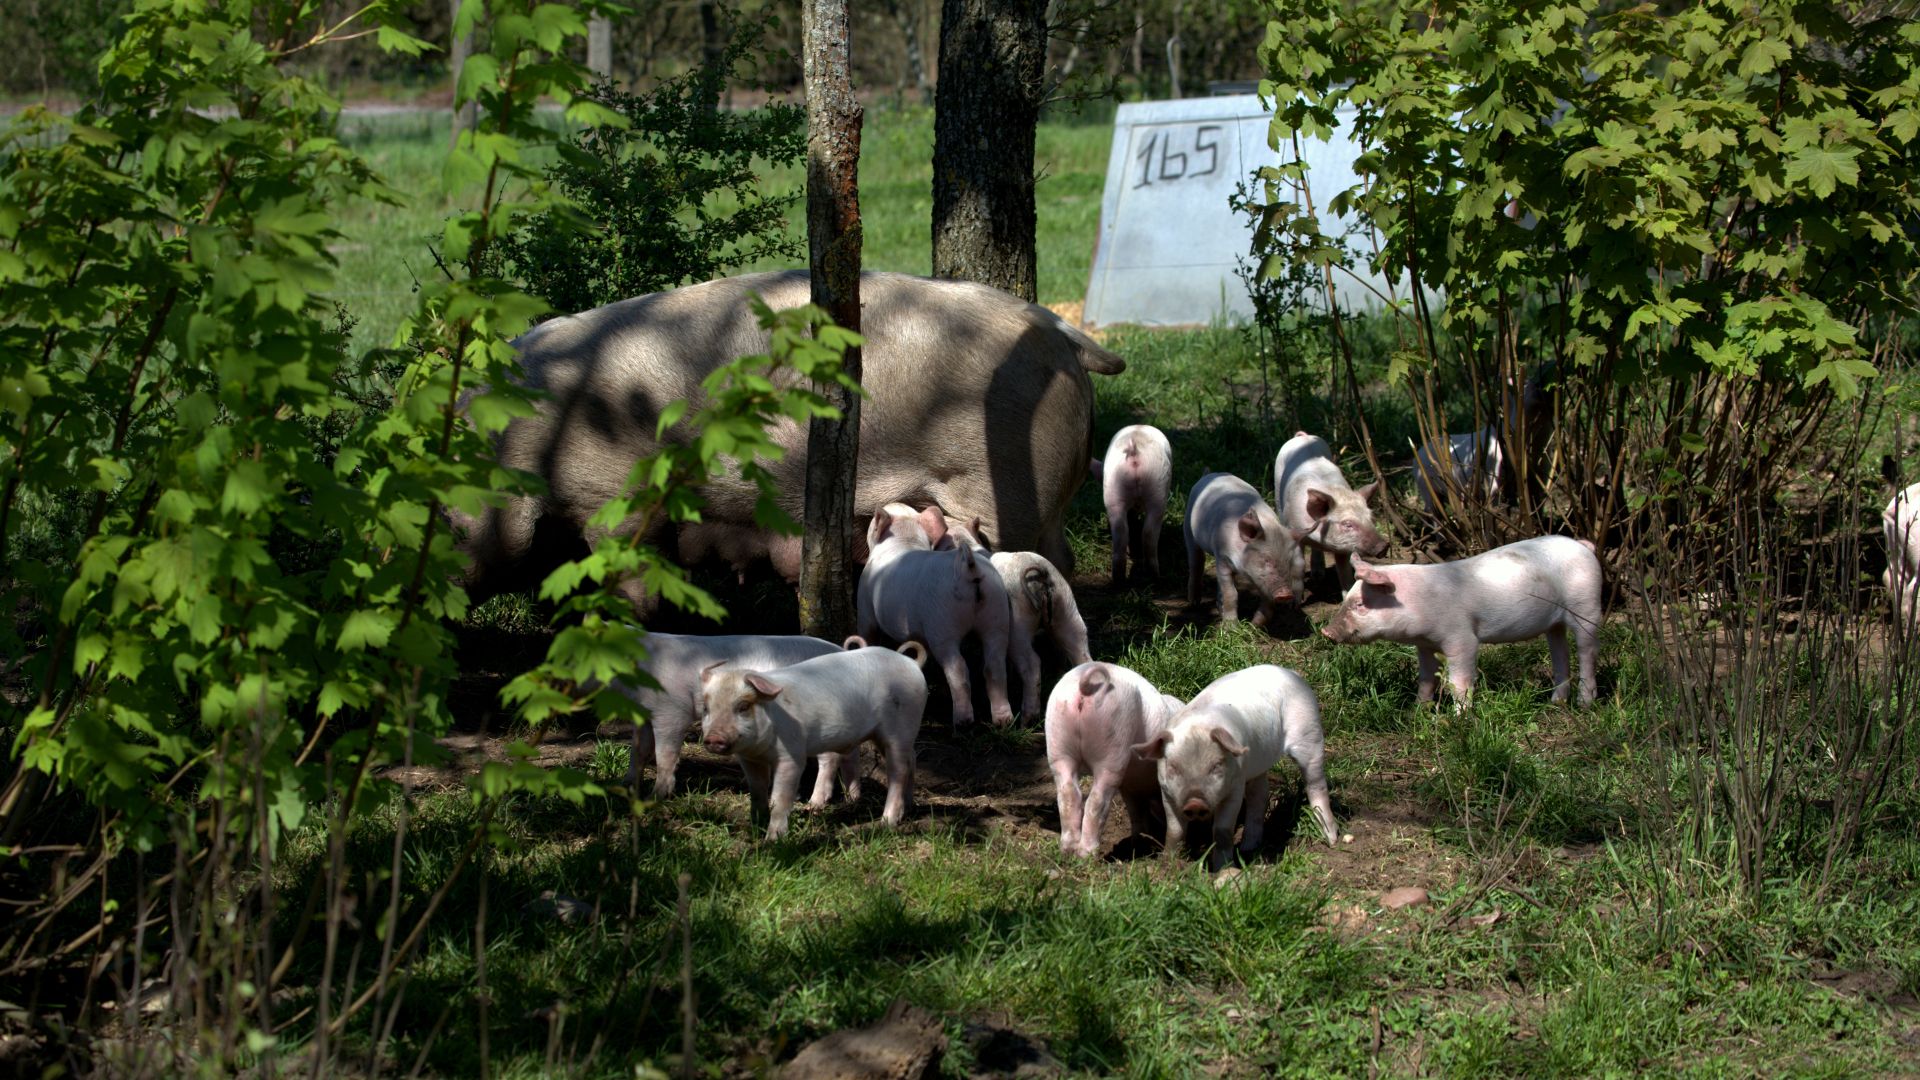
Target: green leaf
(1824,169)
(366,629)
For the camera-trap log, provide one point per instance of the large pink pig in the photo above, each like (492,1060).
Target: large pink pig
(1096,715)
(1229,520)
(1547,585)
(1135,477)
(1213,759)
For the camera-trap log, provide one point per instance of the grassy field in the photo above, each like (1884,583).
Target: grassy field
(1564,934)
(386,248)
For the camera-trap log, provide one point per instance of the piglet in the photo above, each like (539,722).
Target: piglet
(1042,606)
(1096,715)
(908,591)
(675,662)
(1212,760)
(774,720)
(1228,520)
(1312,495)
(1135,477)
(1547,585)
(1902,577)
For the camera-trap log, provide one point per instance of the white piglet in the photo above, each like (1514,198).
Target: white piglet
(1212,760)
(773,721)
(1312,496)
(1043,607)
(1548,585)
(1041,604)
(910,592)
(1902,578)
(1135,478)
(1229,520)
(1096,715)
(675,661)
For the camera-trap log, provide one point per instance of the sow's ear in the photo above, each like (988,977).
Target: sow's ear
(1226,740)
(1153,749)
(1250,526)
(764,687)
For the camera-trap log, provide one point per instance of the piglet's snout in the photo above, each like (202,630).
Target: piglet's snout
(1195,810)
(719,742)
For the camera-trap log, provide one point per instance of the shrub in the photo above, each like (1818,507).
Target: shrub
(673,194)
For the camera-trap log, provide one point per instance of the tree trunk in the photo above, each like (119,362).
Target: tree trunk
(993,56)
(463,116)
(907,14)
(1173,52)
(713,42)
(600,46)
(827,571)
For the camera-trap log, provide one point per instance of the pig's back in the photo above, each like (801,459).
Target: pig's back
(1259,705)
(865,683)
(1902,525)
(1517,592)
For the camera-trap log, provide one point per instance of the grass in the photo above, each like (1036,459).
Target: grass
(1560,940)
(387,249)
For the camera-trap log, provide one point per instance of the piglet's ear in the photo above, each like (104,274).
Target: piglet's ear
(1366,493)
(1226,740)
(934,520)
(979,534)
(878,529)
(1366,572)
(1300,535)
(1250,526)
(707,672)
(1153,749)
(763,686)
(1318,503)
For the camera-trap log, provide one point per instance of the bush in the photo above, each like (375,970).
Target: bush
(672,195)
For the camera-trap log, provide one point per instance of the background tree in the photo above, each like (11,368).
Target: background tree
(983,215)
(833,247)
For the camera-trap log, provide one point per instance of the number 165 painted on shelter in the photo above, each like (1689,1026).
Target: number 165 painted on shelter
(1174,164)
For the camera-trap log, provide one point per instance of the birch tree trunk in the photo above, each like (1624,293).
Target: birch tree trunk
(827,571)
(993,56)
(600,46)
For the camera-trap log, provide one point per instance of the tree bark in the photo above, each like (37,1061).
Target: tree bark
(993,56)
(600,46)
(713,43)
(1173,53)
(463,115)
(827,571)
(906,13)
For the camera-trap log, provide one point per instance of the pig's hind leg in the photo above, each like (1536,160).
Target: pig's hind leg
(899,782)
(1313,777)
(1099,800)
(1557,648)
(1150,523)
(959,685)
(1066,790)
